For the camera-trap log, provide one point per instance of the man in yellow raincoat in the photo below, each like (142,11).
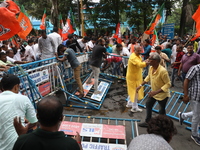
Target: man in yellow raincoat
(134,78)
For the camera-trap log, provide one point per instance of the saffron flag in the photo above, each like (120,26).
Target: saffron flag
(25,24)
(68,28)
(156,20)
(196,17)
(43,24)
(14,42)
(154,39)
(13,7)
(118,34)
(9,25)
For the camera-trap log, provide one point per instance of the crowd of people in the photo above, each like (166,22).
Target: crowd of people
(141,63)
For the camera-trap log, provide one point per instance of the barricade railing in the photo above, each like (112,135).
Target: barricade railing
(90,100)
(95,125)
(40,78)
(115,69)
(173,106)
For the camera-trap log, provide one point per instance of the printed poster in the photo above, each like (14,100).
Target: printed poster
(45,89)
(101,87)
(70,128)
(113,131)
(102,146)
(93,130)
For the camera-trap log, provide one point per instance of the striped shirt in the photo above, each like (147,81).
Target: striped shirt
(194,87)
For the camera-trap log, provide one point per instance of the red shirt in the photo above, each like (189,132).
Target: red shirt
(114,59)
(179,56)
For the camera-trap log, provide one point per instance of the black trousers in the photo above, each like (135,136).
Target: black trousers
(149,105)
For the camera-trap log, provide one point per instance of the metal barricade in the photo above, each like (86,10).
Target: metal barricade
(131,128)
(116,69)
(173,106)
(45,77)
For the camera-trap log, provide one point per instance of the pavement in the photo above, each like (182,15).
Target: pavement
(114,106)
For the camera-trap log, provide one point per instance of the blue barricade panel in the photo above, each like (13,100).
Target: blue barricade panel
(130,125)
(90,100)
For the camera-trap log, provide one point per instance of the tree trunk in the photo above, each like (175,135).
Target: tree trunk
(116,9)
(183,18)
(54,13)
(144,15)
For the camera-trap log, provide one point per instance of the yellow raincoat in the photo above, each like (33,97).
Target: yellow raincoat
(134,76)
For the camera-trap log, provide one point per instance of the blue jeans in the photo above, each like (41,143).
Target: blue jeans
(183,76)
(145,71)
(174,73)
(116,68)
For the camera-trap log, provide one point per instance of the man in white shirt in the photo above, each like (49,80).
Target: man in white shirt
(29,51)
(12,105)
(10,55)
(46,46)
(173,56)
(91,44)
(36,50)
(82,42)
(56,38)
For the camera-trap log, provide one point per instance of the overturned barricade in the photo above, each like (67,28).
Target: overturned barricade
(173,106)
(47,76)
(100,132)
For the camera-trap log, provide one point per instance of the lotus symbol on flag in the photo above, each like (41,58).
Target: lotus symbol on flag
(65,28)
(22,24)
(3,30)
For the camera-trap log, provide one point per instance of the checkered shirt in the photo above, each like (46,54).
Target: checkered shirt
(194,85)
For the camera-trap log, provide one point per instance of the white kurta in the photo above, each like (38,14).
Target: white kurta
(30,52)
(46,47)
(56,39)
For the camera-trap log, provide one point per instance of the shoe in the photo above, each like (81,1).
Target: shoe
(136,110)
(196,139)
(144,125)
(97,92)
(180,118)
(128,106)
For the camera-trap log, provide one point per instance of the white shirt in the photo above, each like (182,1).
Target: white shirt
(173,55)
(46,47)
(36,50)
(82,45)
(10,59)
(30,52)
(126,52)
(17,56)
(56,39)
(90,44)
(12,105)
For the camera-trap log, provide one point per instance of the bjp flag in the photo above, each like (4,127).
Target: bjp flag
(196,17)
(67,29)
(25,24)
(12,6)
(9,26)
(43,24)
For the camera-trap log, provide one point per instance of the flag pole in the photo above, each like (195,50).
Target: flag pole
(82,18)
